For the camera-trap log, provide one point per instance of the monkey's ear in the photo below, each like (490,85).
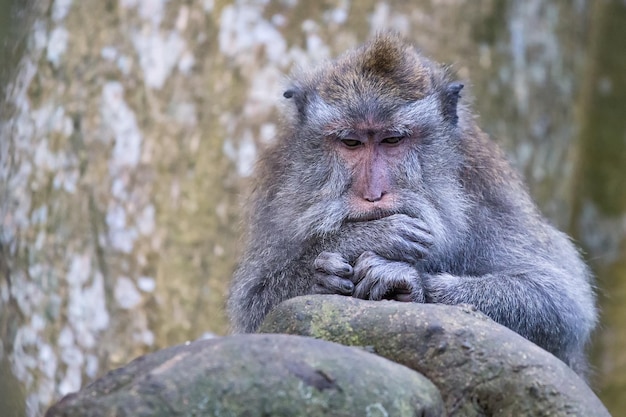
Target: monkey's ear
(450,100)
(300,99)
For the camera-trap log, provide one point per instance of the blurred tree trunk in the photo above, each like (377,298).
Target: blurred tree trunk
(599,220)
(117,201)
(131,126)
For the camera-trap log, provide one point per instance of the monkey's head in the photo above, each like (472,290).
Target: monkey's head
(371,133)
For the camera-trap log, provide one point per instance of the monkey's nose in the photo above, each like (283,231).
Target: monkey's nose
(374,197)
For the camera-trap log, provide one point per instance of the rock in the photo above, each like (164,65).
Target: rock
(480,367)
(256,375)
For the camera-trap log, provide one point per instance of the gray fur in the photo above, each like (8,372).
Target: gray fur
(463,228)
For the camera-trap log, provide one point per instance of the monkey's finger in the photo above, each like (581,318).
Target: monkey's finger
(414,229)
(374,286)
(418,235)
(395,288)
(364,263)
(402,249)
(332,284)
(402,221)
(320,289)
(333,263)
(381,279)
(365,276)
(403,297)
(362,289)
(418,223)
(386,289)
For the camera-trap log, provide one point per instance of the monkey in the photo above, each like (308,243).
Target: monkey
(381,185)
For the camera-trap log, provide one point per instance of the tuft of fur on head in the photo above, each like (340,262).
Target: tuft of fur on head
(372,80)
(384,65)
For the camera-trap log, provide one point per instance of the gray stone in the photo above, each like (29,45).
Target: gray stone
(480,367)
(256,375)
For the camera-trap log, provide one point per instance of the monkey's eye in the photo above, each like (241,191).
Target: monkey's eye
(351,143)
(393,140)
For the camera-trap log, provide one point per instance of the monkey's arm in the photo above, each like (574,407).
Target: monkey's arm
(534,304)
(523,285)
(266,275)
(539,289)
(269,275)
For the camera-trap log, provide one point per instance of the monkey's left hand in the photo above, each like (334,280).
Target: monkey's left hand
(332,275)
(377,278)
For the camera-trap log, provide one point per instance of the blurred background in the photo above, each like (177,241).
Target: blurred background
(129,130)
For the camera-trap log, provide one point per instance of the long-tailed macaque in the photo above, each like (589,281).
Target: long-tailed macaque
(382,186)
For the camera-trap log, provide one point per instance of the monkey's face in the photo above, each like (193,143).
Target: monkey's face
(373,134)
(382,153)
(372,161)
(367,155)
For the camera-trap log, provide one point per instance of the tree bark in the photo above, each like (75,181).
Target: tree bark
(599,220)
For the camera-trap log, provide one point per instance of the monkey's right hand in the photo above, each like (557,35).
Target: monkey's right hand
(377,278)
(401,238)
(332,275)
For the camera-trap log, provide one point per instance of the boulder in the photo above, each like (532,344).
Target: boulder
(480,367)
(256,375)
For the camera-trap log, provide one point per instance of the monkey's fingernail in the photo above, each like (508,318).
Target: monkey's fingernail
(405,298)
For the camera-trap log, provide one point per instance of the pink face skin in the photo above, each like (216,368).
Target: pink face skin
(370,155)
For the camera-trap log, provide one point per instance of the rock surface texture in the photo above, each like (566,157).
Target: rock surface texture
(461,364)
(256,375)
(481,367)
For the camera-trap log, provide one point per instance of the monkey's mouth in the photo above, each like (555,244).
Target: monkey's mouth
(370,215)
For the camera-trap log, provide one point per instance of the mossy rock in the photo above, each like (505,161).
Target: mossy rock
(480,367)
(256,375)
